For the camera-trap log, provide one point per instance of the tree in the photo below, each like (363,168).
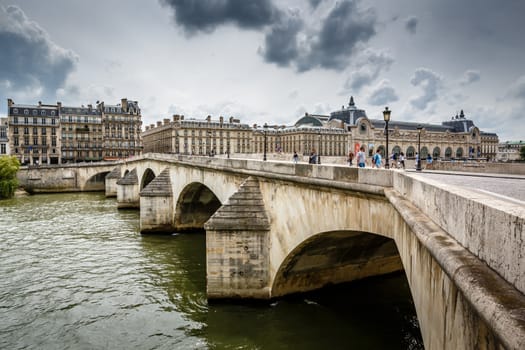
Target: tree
(522,152)
(9,166)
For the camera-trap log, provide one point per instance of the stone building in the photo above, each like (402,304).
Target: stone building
(456,138)
(81,134)
(34,133)
(509,151)
(331,135)
(4,141)
(198,137)
(52,134)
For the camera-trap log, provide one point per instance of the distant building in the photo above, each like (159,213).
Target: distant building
(4,141)
(335,135)
(197,137)
(509,151)
(52,134)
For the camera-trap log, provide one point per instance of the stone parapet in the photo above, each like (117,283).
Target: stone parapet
(489,227)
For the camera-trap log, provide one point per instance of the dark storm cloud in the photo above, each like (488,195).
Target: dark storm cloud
(29,59)
(342,30)
(411,24)
(330,47)
(430,83)
(281,45)
(206,15)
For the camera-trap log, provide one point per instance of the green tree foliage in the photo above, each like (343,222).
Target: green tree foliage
(522,152)
(8,183)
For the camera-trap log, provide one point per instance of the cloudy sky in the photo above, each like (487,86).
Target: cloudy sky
(271,60)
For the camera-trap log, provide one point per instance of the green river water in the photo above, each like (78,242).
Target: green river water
(76,274)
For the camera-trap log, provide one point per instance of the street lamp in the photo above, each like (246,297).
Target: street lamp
(418,166)
(319,152)
(386,117)
(265,130)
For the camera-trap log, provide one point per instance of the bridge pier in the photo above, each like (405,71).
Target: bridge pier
(156,205)
(237,246)
(128,191)
(111,182)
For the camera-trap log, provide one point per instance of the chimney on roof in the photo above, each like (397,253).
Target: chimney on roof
(208,118)
(10,102)
(59,104)
(159,123)
(90,106)
(176,117)
(39,103)
(151,126)
(147,127)
(124,104)
(166,121)
(231,120)
(462,115)
(182,117)
(221,119)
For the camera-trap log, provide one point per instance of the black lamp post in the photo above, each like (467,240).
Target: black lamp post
(386,117)
(418,166)
(319,151)
(265,130)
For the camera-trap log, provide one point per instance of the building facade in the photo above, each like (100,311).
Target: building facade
(53,134)
(197,137)
(4,141)
(334,135)
(509,151)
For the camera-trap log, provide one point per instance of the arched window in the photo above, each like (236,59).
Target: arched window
(436,152)
(396,150)
(448,152)
(411,152)
(424,152)
(459,152)
(381,150)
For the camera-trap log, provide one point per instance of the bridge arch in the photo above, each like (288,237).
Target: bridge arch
(96,182)
(335,257)
(147,177)
(195,205)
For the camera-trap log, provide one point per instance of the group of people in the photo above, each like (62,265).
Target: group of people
(396,160)
(377,160)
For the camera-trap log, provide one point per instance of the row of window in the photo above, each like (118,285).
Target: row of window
(43,121)
(43,131)
(35,112)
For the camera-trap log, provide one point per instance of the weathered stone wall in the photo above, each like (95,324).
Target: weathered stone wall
(156,214)
(490,228)
(481,167)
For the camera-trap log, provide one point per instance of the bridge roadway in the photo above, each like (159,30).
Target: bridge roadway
(278,228)
(510,186)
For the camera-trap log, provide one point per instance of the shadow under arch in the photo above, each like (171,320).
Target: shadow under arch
(335,257)
(148,176)
(195,205)
(96,182)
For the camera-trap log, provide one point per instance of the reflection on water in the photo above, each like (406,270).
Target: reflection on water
(76,274)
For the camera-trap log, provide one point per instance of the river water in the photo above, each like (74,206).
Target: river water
(76,274)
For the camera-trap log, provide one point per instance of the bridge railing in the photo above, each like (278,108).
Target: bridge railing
(341,176)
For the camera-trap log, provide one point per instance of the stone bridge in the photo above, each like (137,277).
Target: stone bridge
(278,228)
